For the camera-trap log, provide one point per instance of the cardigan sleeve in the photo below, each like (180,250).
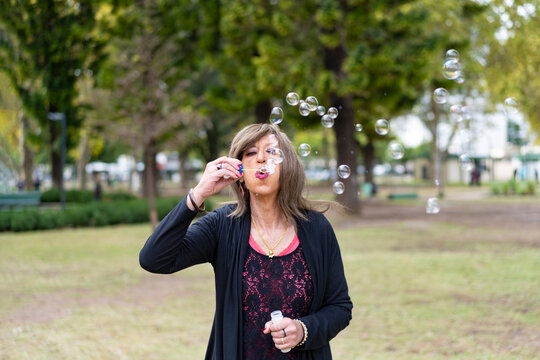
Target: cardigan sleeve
(175,245)
(336,310)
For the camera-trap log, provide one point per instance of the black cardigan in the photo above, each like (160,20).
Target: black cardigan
(223,241)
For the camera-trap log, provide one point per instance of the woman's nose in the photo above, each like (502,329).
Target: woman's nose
(261,156)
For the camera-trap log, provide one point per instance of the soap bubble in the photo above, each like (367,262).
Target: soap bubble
(452,54)
(451,69)
(396,150)
(321,110)
(312,102)
(358,127)
(344,171)
(382,127)
(304,109)
(466,162)
(437,182)
(460,79)
(456,109)
(292,98)
(333,112)
(276,116)
(269,167)
(273,139)
(304,149)
(432,206)
(511,105)
(327,121)
(440,95)
(276,154)
(338,187)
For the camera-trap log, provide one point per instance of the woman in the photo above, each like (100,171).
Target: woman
(271,250)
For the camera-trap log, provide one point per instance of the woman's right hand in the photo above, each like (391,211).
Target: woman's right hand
(217,175)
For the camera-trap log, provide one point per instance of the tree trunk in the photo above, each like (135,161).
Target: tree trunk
(84,158)
(262,111)
(149,165)
(368,154)
(344,131)
(56,156)
(434,161)
(184,183)
(27,157)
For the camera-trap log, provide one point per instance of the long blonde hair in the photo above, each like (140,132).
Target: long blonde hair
(292,179)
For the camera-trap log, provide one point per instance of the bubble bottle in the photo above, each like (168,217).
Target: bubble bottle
(277,316)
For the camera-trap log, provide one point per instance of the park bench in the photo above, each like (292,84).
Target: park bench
(409,195)
(21,198)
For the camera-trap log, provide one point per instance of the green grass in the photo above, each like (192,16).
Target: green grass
(436,291)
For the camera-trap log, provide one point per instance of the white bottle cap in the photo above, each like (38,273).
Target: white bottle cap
(276,316)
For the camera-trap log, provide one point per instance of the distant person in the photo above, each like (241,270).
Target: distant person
(97,187)
(536,175)
(272,249)
(20,185)
(37,183)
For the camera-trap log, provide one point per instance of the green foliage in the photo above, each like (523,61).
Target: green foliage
(94,214)
(513,187)
(82,196)
(44,46)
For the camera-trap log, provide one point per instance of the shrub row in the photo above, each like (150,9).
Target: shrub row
(81,215)
(82,196)
(513,187)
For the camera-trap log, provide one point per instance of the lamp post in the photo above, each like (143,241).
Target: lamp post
(58,116)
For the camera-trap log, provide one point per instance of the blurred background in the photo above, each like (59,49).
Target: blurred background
(420,116)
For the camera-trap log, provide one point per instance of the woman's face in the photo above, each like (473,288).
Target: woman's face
(257,156)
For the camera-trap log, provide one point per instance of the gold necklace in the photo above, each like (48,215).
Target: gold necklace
(270,249)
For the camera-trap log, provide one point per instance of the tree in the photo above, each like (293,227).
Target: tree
(513,55)
(42,46)
(153,53)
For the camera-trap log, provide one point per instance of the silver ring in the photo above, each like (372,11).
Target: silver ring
(284,333)
(219,166)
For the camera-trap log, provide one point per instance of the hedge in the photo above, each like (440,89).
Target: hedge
(513,187)
(83,215)
(83,196)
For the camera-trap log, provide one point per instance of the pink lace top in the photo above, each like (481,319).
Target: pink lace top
(281,283)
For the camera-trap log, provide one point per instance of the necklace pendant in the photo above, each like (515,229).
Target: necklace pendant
(270,254)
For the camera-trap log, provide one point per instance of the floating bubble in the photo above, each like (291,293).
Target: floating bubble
(460,78)
(292,98)
(382,127)
(511,105)
(437,183)
(396,150)
(304,109)
(452,54)
(273,139)
(276,154)
(333,112)
(312,102)
(321,110)
(466,113)
(456,109)
(327,121)
(270,166)
(466,162)
(451,69)
(276,116)
(338,187)
(358,127)
(440,95)
(344,171)
(304,149)
(432,206)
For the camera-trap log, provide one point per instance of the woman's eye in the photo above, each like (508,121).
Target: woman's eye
(250,153)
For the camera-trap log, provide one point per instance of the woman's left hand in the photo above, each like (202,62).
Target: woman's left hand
(293,334)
